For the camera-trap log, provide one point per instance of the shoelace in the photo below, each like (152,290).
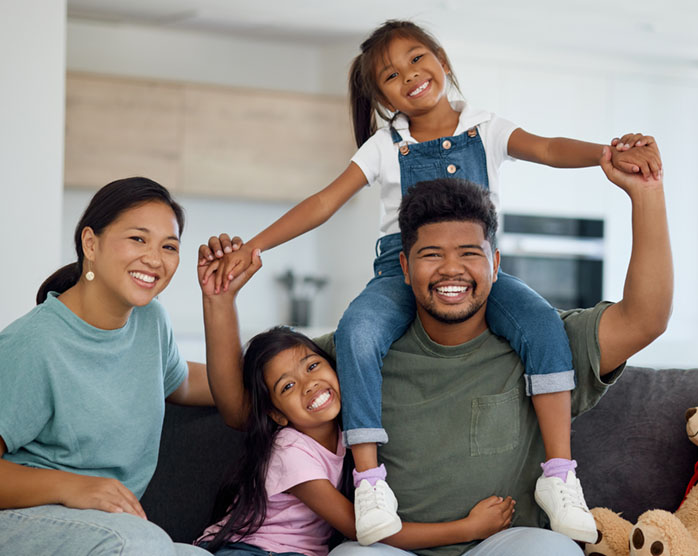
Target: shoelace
(572,495)
(369,499)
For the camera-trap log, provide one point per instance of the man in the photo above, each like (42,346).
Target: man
(454,403)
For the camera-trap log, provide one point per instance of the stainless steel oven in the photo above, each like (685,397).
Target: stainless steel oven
(560,258)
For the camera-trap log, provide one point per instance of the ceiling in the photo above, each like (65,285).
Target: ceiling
(663,30)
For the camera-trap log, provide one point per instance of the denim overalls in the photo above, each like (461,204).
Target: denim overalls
(384,310)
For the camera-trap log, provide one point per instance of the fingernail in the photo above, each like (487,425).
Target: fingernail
(258,252)
(210,257)
(219,253)
(228,249)
(230,276)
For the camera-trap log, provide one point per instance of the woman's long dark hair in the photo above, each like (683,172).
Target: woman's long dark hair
(106,206)
(365,96)
(243,496)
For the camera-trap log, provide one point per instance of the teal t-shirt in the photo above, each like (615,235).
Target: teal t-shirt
(80,399)
(461,427)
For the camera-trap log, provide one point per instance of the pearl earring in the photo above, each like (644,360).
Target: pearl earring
(89,275)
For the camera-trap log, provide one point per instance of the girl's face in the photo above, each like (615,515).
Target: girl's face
(135,257)
(304,390)
(411,77)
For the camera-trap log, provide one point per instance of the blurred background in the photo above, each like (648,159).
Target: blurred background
(240,108)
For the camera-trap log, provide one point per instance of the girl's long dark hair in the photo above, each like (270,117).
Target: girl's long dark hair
(365,96)
(243,496)
(106,206)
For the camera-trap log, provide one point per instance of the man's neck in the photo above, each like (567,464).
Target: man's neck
(452,334)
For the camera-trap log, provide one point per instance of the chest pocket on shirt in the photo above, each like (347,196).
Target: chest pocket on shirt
(494,424)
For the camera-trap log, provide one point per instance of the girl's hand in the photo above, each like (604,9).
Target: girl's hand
(211,275)
(491,515)
(217,247)
(630,140)
(644,160)
(98,493)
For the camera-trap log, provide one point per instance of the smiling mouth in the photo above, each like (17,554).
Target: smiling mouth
(320,400)
(419,89)
(451,291)
(141,277)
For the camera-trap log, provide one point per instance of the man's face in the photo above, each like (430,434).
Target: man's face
(451,268)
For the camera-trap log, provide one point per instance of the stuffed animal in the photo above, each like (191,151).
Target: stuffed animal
(657,532)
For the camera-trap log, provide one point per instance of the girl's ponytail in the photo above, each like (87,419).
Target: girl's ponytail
(61,280)
(363,114)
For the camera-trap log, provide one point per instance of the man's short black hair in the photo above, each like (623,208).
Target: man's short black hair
(445,200)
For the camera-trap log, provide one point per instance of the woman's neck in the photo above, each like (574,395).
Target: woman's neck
(440,121)
(95,307)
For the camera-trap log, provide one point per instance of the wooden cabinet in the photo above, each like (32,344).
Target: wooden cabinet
(204,140)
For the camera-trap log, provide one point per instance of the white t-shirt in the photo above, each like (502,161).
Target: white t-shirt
(378,157)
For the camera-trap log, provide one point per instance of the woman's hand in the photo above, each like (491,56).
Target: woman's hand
(98,493)
(489,516)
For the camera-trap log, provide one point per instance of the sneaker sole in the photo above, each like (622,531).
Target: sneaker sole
(379,533)
(581,535)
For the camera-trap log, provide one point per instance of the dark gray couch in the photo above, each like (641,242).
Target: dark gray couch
(632,450)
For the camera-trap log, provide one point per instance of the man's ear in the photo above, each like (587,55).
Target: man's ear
(495,265)
(278,417)
(89,242)
(405,267)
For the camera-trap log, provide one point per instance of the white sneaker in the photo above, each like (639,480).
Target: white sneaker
(564,503)
(375,508)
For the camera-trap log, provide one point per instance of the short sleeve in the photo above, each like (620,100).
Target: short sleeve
(25,391)
(293,462)
(175,367)
(582,327)
(368,159)
(499,131)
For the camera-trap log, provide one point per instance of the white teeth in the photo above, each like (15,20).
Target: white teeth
(419,89)
(143,277)
(319,400)
(451,291)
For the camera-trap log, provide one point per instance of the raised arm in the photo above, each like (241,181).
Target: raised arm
(643,313)
(223,349)
(561,152)
(305,216)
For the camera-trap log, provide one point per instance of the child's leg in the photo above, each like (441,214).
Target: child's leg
(536,332)
(371,323)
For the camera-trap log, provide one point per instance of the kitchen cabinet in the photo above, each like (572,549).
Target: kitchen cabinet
(204,140)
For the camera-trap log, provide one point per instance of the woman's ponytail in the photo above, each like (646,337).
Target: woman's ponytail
(61,280)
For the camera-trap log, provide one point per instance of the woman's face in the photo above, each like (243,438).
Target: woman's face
(135,257)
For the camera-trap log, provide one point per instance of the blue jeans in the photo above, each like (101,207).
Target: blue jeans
(517,541)
(244,549)
(70,532)
(384,310)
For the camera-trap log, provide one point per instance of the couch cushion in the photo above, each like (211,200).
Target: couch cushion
(195,451)
(632,448)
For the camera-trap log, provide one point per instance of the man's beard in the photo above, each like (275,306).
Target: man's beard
(458,317)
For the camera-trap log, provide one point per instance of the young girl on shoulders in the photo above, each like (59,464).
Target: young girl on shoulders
(284,495)
(403,75)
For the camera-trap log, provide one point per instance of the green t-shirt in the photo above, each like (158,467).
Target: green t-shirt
(85,400)
(461,427)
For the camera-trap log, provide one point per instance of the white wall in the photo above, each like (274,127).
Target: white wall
(32,69)
(550,93)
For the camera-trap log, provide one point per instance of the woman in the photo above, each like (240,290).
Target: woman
(83,382)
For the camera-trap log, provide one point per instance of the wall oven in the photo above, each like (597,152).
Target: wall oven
(560,258)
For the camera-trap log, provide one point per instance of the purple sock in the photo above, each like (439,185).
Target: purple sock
(558,467)
(371,475)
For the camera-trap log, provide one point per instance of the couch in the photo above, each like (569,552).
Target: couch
(632,450)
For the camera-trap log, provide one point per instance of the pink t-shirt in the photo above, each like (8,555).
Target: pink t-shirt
(290,526)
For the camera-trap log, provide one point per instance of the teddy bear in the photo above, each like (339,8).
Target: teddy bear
(657,532)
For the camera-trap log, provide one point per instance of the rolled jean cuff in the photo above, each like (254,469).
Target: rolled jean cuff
(550,382)
(364,436)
